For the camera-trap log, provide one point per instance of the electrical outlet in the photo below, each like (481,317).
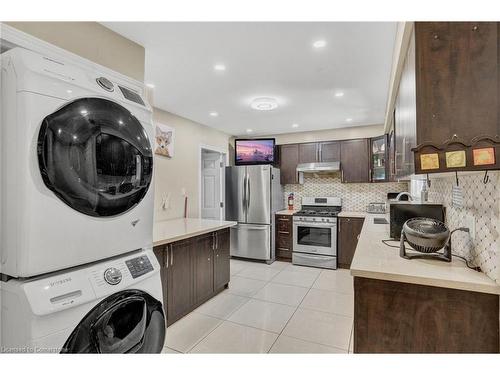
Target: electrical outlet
(470,222)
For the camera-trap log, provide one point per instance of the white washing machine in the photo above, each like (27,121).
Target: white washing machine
(77,166)
(108,307)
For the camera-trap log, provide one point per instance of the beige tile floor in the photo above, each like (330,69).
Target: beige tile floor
(277,308)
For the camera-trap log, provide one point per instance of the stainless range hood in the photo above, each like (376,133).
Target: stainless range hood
(325,167)
(317,168)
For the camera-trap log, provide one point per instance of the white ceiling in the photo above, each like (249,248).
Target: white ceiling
(268,59)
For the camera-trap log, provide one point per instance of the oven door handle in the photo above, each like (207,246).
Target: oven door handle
(315,225)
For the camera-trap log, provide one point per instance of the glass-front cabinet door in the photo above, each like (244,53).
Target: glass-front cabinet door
(379,159)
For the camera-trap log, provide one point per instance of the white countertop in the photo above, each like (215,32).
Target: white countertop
(178,229)
(352,214)
(286,212)
(373,259)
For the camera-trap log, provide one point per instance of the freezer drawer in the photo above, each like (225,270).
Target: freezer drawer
(314,260)
(251,241)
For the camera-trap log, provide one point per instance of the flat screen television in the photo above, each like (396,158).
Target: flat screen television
(254,151)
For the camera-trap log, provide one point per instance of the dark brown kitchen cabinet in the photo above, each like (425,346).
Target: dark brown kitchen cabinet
(330,151)
(222,257)
(379,159)
(457,80)
(193,271)
(289,158)
(405,118)
(349,229)
(203,267)
(354,160)
(179,281)
(319,152)
(284,236)
(308,153)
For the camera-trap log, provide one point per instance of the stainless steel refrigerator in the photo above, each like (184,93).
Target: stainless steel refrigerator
(253,195)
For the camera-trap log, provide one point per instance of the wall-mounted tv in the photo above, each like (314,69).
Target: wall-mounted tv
(254,151)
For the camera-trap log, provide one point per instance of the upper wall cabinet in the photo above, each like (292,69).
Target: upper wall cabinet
(450,88)
(355,160)
(379,163)
(289,158)
(457,80)
(319,152)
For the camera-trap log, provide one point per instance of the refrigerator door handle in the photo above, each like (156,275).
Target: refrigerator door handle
(248,193)
(245,194)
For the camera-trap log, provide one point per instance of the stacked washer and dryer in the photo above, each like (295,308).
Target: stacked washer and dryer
(77,269)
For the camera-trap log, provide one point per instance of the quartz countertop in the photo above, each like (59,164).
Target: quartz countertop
(286,212)
(168,231)
(373,259)
(352,214)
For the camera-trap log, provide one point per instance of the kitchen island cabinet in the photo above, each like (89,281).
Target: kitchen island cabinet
(419,305)
(193,269)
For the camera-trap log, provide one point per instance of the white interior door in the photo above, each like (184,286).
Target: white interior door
(211,174)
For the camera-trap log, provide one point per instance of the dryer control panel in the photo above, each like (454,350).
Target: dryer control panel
(139,266)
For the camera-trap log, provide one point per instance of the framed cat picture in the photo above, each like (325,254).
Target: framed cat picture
(164,140)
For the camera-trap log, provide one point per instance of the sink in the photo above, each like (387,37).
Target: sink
(380,220)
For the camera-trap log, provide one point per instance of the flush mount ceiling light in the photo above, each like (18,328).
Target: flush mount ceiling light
(348,119)
(214,114)
(319,43)
(264,104)
(150,85)
(219,67)
(295,125)
(249,130)
(339,94)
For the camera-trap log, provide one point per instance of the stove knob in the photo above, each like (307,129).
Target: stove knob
(112,276)
(323,219)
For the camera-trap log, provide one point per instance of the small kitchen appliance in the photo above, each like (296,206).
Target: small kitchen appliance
(315,232)
(376,208)
(400,212)
(427,236)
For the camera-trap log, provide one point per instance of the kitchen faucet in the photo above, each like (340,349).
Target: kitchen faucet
(404,193)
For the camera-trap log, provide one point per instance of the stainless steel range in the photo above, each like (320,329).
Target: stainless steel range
(315,232)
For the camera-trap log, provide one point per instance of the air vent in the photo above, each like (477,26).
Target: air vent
(131,95)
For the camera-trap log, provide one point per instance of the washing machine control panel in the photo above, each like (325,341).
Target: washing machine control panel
(139,266)
(112,276)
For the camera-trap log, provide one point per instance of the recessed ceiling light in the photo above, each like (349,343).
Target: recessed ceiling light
(295,125)
(213,114)
(339,94)
(219,67)
(264,104)
(150,85)
(319,43)
(249,130)
(348,119)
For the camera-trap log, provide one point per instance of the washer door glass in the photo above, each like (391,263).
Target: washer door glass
(127,322)
(95,156)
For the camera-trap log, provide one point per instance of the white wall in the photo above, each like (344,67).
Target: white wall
(182,170)
(331,134)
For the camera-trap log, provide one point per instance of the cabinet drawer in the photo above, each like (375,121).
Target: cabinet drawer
(284,223)
(284,241)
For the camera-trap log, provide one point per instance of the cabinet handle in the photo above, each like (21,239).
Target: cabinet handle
(283,248)
(216,240)
(283,219)
(357,237)
(209,259)
(171,256)
(166,257)
(282,232)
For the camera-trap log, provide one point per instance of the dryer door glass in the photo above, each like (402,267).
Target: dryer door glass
(126,322)
(95,156)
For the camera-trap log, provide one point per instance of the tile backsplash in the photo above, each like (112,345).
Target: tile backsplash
(482,201)
(355,197)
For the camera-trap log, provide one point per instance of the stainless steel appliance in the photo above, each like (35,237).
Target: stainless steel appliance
(402,211)
(315,232)
(253,195)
